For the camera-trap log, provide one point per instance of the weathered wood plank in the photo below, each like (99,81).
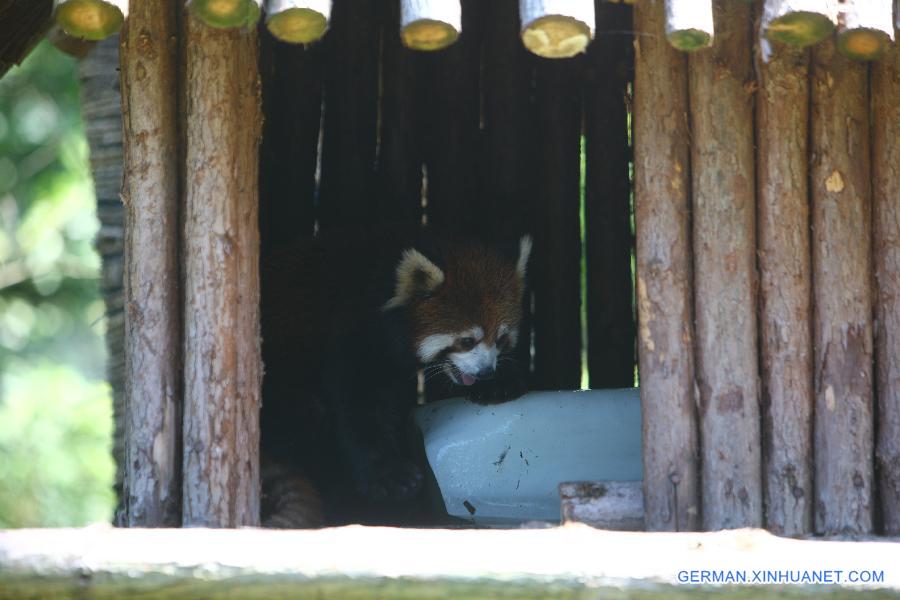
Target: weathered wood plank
(292,101)
(556,260)
(572,562)
(664,293)
(222,367)
(613,505)
(885,114)
(399,170)
(607,202)
(722,166)
(350,79)
(510,151)
(148,59)
(842,292)
(449,113)
(782,115)
(101,110)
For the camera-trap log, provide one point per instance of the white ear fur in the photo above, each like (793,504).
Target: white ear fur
(524,253)
(415,275)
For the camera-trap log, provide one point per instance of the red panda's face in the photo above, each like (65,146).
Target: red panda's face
(465,316)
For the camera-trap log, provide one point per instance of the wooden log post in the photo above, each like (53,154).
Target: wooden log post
(689,24)
(722,166)
(399,171)
(556,260)
(613,505)
(886,183)
(865,28)
(842,293)
(557,28)
(782,114)
(430,24)
(298,21)
(798,22)
(226,14)
(607,201)
(350,88)
(148,55)
(101,111)
(91,19)
(664,298)
(222,370)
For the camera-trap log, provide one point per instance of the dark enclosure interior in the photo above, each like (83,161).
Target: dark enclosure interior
(482,138)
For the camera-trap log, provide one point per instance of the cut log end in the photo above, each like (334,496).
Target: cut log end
(428,34)
(298,25)
(800,28)
(89,19)
(556,36)
(863,43)
(690,40)
(226,14)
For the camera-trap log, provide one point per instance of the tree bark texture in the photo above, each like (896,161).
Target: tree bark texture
(399,170)
(556,261)
(508,180)
(886,190)
(222,123)
(292,103)
(148,59)
(607,203)
(842,288)
(101,110)
(782,115)
(449,105)
(350,80)
(664,294)
(722,166)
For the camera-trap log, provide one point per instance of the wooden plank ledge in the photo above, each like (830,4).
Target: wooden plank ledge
(574,561)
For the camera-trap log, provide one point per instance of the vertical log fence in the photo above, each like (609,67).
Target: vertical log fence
(148,55)
(759,397)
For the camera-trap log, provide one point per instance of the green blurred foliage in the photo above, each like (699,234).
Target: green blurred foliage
(55,408)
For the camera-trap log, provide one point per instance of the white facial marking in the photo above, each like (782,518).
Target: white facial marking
(475,360)
(513,334)
(432,345)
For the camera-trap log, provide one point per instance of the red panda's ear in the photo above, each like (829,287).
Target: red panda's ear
(524,253)
(415,276)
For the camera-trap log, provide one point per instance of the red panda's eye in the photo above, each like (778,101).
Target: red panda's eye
(467,343)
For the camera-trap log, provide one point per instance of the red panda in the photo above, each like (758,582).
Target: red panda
(348,321)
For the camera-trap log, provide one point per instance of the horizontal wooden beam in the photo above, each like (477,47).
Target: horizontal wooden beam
(570,562)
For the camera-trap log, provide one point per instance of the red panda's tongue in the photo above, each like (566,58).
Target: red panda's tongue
(467,379)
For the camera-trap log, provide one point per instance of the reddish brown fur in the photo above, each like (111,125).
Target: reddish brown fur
(480,288)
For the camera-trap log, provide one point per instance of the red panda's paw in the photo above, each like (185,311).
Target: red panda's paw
(391,480)
(497,390)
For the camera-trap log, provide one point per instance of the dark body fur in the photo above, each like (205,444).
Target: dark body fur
(341,371)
